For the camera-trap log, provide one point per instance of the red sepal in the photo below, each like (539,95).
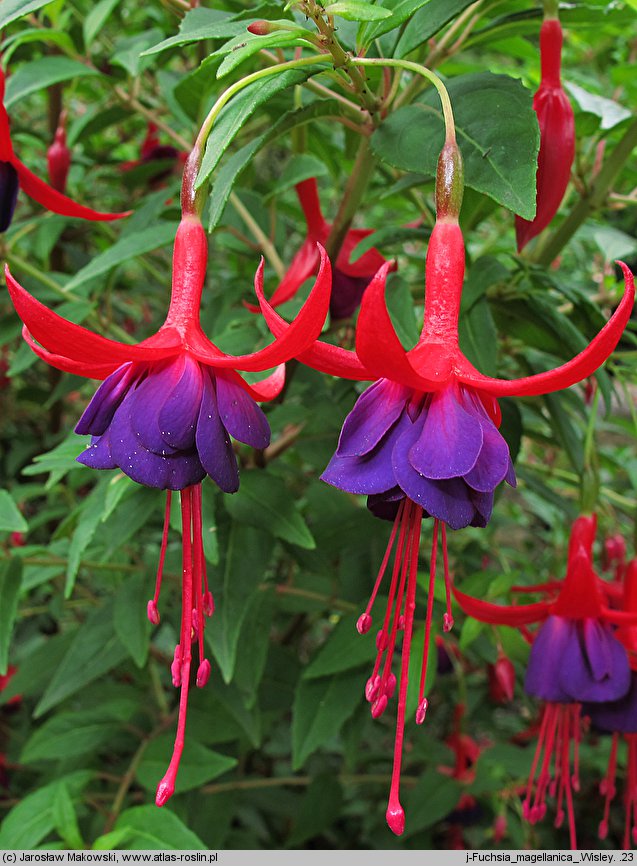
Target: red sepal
(497,614)
(68,365)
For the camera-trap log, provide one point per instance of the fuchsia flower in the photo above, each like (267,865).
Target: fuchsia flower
(165,414)
(576,657)
(423,440)
(15,175)
(58,157)
(349,279)
(619,718)
(557,136)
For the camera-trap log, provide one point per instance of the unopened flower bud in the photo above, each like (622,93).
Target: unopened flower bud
(501,680)
(58,157)
(449,181)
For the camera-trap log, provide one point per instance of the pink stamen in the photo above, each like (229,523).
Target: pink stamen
(166,787)
(607,787)
(203,673)
(151,609)
(395,814)
(383,566)
(363,623)
(447,619)
(430,607)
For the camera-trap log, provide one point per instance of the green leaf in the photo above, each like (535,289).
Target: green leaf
(320,709)
(254,641)
(198,764)
(127,247)
(357,10)
(37,668)
(344,650)
(245,45)
(66,735)
(10,582)
(610,113)
(300,167)
(430,18)
(90,516)
(240,160)
(10,518)
(264,501)
(28,823)
(128,52)
(235,115)
(11,10)
(479,338)
(95,19)
(397,15)
(39,74)
(201,23)
(65,818)
(497,132)
(320,807)
(131,622)
(95,650)
(432,799)
(157,829)
(246,556)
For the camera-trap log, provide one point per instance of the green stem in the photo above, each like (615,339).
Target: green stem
(352,197)
(592,200)
(425,73)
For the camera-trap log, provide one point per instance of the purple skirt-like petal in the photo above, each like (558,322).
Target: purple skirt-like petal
(240,415)
(616,716)
(577,660)
(374,413)
(99,412)
(214,445)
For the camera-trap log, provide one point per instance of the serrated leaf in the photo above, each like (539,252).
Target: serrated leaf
(156,829)
(28,823)
(265,502)
(10,518)
(95,650)
(10,582)
(38,74)
(320,709)
(198,764)
(497,133)
(246,556)
(357,10)
(126,248)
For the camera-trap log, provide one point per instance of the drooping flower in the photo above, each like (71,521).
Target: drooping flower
(423,440)
(349,279)
(165,413)
(575,657)
(557,135)
(619,718)
(501,677)
(14,175)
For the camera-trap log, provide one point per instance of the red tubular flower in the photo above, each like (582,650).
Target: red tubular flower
(501,679)
(58,157)
(576,657)
(423,440)
(165,413)
(349,279)
(15,175)
(557,136)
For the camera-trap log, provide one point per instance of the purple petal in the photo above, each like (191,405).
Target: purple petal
(145,402)
(347,293)
(373,473)
(448,500)
(98,454)
(483,505)
(9,186)
(543,670)
(492,464)
(240,415)
(451,440)
(377,408)
(169,471)
(510,478)
(620,716)
(99,412)
(177,418)
(385,505)
(595,667)
(213,443)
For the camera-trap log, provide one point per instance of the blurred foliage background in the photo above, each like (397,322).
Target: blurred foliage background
(281,750)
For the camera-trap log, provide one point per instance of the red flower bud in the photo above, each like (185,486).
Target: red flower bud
(557,136)
(58,157)
(260,28)
(502,680)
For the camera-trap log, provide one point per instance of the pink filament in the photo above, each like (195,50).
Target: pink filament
(194,605)
(559,729)
(607,787)
(630,795)
(153,612)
